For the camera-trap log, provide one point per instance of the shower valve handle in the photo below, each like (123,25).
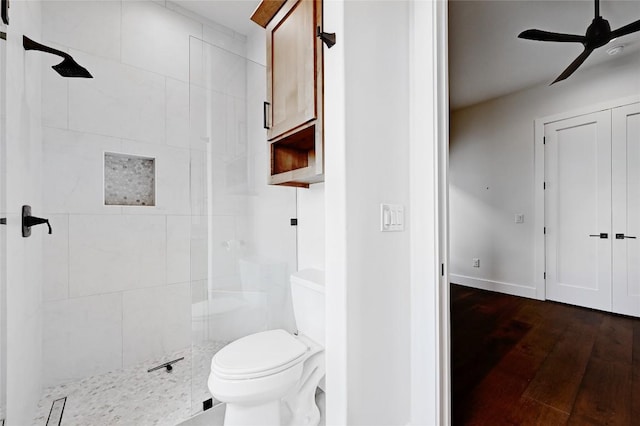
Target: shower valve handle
(32,221)
(28,221)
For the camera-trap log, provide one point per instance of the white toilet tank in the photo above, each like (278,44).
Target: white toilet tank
(307,294)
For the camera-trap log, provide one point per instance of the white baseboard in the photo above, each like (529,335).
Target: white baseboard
(501,287)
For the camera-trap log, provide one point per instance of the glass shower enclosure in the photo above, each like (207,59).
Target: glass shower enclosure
(126,287)
(3,230)
(243,225)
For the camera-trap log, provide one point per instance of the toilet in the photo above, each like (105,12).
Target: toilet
(270,378)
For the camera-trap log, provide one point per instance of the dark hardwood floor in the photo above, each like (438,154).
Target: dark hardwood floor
(518,361)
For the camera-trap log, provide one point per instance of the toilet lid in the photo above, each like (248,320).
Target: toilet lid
(258,353)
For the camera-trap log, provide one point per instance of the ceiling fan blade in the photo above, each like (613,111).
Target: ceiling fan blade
(573,66)
(627,29)
(540,35)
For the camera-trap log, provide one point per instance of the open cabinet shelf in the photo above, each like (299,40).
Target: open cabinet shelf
(296,159)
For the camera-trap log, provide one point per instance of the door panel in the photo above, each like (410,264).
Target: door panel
(578,204)
(626,209)
(291,75)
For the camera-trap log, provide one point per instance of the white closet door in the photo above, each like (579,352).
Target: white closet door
(626,209)
(578,205)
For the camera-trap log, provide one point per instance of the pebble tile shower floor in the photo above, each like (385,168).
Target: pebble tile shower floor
(134,397)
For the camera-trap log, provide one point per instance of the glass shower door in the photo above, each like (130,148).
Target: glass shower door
(243,243)
(3,215)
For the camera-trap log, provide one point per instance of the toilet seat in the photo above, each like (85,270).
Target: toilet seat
(259,355)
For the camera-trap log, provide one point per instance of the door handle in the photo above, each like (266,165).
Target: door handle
(622,237)
(603,235)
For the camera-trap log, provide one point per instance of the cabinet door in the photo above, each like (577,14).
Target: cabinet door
(293,59)
(626,209)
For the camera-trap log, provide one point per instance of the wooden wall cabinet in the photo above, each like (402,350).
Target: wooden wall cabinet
(294,108)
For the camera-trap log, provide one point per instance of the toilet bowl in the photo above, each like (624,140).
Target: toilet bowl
(270,378)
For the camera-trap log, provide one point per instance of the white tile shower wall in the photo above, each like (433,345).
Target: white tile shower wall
(255,112)
(178,249)
(55,95)
(156,320)
(224,250)
(113,253)
(222,133)
(56,259)
(74,173)
(256,48)
(198,247)
(225,201)
(161,44)
(199,197)
(198,136)
(226,39)
(91,27)
(177,113)
(135,261)
(212,32)
(82,337)
(120,101)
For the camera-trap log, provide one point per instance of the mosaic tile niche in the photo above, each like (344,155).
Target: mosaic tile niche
(129,180)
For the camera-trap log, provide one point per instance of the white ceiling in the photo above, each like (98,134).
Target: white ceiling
(234,14)
(486,57)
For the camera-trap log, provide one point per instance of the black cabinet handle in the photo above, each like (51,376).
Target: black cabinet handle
(265,122)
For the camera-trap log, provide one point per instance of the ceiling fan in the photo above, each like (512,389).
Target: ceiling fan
(598,34)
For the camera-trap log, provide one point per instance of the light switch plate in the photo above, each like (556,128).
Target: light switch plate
(519,218)
(391,217)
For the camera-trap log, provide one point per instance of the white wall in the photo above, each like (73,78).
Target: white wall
(376,73)
(118,279)
(23,164)
(311,227)
(492,172)
(257,46)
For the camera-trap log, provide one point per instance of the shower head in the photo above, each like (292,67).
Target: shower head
(70,68)
(67,68)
